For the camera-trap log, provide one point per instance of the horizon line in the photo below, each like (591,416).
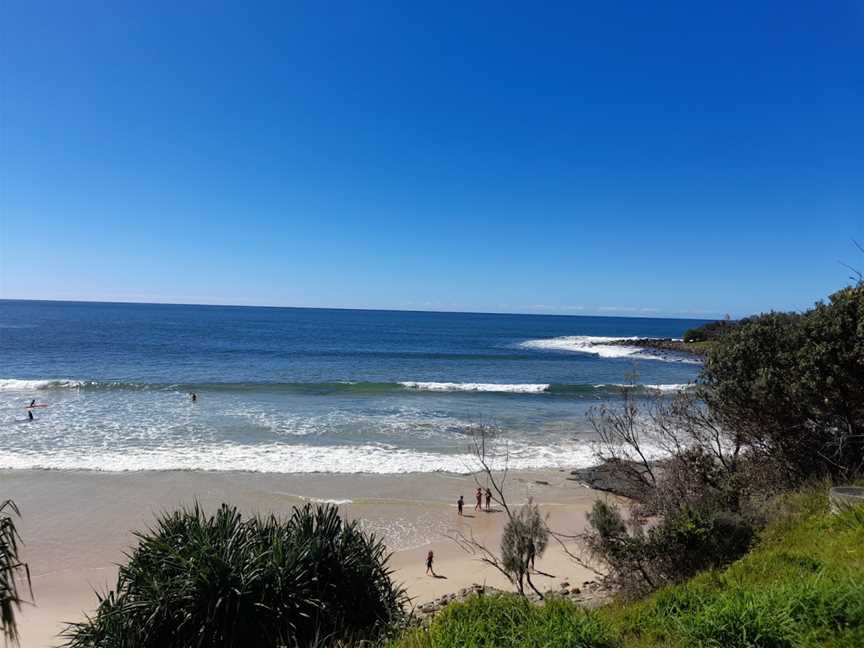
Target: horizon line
(349,308)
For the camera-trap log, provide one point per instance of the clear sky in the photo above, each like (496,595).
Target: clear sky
(605,157)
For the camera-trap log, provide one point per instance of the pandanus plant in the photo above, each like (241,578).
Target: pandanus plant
(224,581)
(13,573)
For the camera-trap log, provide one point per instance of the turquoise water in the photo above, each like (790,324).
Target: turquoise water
(299,390)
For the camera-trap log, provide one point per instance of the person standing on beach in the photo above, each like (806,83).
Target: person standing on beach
(460,503)
(479,497)
(488,500)
(429,558)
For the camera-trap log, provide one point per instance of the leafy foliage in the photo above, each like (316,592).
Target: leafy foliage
(198,580)
(679,546)
(790,385)
(524,538)
(12,571)
(709,332)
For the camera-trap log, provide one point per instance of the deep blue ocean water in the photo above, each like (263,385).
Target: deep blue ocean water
(297,390)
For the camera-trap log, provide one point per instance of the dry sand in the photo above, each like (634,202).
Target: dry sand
(77,525)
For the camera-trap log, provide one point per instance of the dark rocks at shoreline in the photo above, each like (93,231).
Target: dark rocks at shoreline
(590,594)
(699,349)
(616,477)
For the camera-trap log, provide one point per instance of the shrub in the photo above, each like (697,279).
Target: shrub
(680,544)
(790,385)
(511,621)
(709,332)
(197,580)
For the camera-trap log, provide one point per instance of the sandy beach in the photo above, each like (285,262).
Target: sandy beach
(77,525)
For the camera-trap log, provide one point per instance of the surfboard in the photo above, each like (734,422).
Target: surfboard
(36,405)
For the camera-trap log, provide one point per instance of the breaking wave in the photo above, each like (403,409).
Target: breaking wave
(604,347)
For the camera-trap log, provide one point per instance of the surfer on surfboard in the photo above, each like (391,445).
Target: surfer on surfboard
(33,405)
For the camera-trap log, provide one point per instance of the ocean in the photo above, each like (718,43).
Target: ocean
(297,390)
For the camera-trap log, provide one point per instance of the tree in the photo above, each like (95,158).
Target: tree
(524,538)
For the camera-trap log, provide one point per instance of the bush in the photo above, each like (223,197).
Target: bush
(789,384)
(222,581)
(511,621)
(680,544)
(708,332)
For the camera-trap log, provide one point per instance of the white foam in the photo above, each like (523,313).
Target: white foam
(13,384)
(519,388)
(320,500)
(285,458)
(600,346)
(670,388)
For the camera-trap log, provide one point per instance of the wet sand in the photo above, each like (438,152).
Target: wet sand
(77,525)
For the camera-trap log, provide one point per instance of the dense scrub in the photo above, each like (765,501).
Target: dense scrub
(222,581)
(788,386)
(709,332)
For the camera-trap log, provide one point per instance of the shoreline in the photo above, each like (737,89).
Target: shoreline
(76,525)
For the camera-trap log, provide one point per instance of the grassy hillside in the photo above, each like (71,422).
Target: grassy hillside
(801,587)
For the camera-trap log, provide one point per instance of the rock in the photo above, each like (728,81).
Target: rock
(576,591)
(541,482)
(616,476)
(565,584)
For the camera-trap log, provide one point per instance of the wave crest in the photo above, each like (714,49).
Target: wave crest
(600,346)
(14,384)
(521,388)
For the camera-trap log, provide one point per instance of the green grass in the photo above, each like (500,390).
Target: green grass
(801,587)
(511,622)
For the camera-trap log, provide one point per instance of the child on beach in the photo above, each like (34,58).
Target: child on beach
(429,559)
(488,500)
(460,503)
(479,497)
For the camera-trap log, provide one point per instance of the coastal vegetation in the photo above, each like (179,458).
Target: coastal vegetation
(778,403)
(801,586)
(698,341)
(13,572)
(224,581)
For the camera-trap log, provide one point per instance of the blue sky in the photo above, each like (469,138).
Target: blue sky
(613,158)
